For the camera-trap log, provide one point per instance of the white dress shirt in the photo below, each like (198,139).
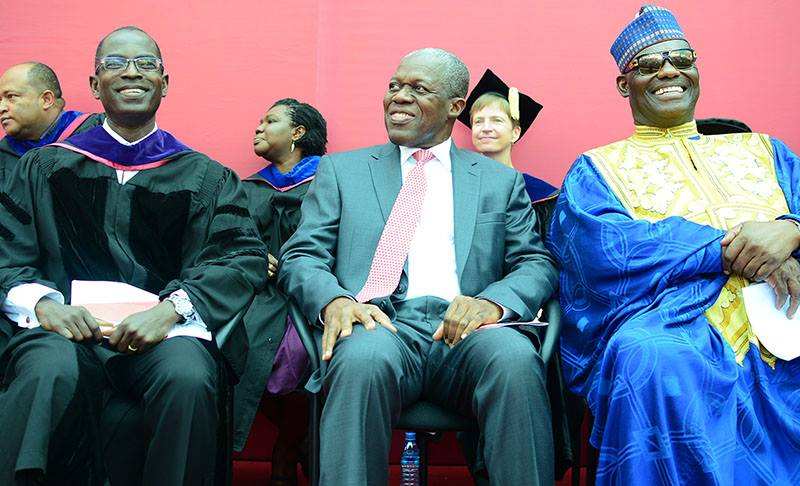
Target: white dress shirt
(432,255)
(21,300)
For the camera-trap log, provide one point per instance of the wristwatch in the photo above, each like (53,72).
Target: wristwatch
(183,306)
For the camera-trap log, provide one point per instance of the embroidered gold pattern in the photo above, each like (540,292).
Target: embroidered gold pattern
(719,180)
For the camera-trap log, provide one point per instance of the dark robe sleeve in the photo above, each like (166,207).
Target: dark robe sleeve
(20,251)
(224,261)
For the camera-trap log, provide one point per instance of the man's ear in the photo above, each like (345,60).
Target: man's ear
(48,99)
(164,85)
(622,86)
(93,86)
(456,107)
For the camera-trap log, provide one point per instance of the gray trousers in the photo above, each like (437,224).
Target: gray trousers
(495,376)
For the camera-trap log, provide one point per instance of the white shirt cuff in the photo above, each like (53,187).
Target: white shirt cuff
(20,303)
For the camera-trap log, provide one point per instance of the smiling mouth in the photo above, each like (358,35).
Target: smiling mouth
(400,118)
(669,90)
(132,92)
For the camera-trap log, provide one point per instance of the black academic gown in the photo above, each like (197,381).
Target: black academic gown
(276,215)
(8,157)
(182,225)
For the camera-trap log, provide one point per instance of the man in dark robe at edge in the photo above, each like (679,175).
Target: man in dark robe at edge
(32,112)
(125,202)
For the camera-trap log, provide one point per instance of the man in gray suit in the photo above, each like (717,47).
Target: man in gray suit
(473,260)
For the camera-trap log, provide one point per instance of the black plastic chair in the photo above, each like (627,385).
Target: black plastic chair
(125,444)
(427,419)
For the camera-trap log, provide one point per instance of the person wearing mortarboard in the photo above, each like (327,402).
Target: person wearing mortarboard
(499,116)
(656,236)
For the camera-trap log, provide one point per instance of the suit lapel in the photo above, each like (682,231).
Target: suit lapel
(384,167)
(466,184)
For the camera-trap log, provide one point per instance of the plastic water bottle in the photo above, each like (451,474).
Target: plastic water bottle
(409,462)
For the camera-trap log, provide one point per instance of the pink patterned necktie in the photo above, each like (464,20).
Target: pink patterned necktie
(392,250)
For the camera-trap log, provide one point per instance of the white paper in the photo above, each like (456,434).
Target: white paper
(776,332)
(106,292)
(98,294)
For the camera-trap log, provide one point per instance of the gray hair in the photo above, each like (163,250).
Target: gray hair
(455,75)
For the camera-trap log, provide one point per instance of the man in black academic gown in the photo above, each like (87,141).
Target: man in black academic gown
(32,112)
(124,202)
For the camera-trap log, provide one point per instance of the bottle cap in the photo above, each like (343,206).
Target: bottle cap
(411,436)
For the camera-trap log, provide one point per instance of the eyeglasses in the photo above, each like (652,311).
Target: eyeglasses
(118,63)
(649,64)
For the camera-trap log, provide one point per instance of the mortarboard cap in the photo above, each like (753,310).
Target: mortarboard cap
(526,108)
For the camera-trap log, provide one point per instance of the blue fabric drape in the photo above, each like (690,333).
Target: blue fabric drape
(671,405)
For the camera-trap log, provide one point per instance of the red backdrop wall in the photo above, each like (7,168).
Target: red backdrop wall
(229,60)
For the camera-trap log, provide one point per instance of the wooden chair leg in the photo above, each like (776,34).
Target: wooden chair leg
(315,412)
(576,465)
(591,471)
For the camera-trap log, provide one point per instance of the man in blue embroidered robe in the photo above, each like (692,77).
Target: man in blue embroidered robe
(123,202)
(656,236)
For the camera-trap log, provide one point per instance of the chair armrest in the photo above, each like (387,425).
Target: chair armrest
(306,332)
(552,315)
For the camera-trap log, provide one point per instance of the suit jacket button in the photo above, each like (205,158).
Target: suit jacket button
(401,288)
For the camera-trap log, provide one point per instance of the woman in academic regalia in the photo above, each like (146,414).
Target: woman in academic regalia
(291,137)
(498,117)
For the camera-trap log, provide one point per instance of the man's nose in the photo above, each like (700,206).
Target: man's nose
(403,95)
(667,70)
(131,71)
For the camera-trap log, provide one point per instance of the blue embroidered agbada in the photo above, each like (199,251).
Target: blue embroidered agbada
(639,289)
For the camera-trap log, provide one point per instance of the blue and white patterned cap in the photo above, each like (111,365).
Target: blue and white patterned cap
(652,25)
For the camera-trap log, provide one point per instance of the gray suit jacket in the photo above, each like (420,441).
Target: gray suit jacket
(499,255)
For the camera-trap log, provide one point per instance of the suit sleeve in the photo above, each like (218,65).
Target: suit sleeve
(305,271)
(530,276)
(224,261)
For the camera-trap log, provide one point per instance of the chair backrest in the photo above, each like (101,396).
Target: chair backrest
(718,126)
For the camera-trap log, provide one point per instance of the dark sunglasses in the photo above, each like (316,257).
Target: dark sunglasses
(649,64)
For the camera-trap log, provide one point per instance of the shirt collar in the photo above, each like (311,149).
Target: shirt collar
(121,140)
(441,151)
(688,129)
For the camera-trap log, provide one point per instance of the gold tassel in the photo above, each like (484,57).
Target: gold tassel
(513,103)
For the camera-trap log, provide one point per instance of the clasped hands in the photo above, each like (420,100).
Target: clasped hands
(762,251)
(463,316)
(135,334)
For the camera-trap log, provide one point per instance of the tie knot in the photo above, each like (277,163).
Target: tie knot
(423,155)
